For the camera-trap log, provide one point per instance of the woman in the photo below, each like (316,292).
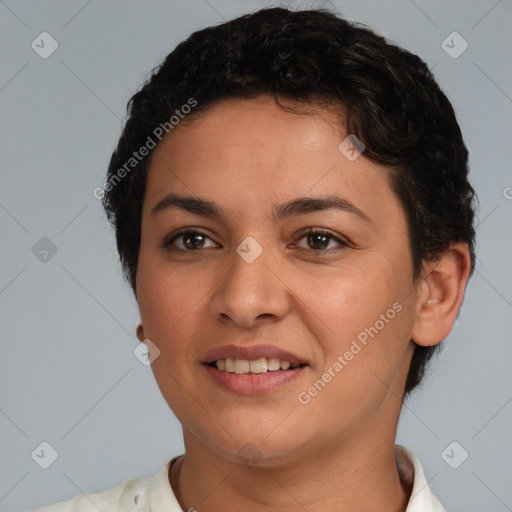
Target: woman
(292,211)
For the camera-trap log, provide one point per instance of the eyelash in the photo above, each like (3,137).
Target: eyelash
(168,241)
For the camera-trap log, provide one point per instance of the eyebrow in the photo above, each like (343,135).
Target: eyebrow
(298,206)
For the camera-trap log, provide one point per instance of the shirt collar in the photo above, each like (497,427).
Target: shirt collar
(411,472)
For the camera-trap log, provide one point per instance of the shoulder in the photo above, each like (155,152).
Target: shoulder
(130,495)
(136,495)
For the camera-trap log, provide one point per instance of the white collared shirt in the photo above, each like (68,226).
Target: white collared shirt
(155,494)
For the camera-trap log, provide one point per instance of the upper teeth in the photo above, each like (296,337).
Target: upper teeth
(257,366)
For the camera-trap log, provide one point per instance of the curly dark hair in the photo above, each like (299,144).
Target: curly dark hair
(391,100)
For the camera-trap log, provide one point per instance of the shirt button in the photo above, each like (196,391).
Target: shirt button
(138,500)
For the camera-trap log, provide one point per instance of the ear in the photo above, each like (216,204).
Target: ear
(440,295)
(140,333)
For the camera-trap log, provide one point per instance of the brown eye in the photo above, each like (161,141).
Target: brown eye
(319,240)
(187,240)
(193,240)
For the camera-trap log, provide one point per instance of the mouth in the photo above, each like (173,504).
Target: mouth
(252,370)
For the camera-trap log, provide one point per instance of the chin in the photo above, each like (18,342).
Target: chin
(261,452)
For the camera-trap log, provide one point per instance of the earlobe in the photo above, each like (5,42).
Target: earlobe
(140,332)
(440,295)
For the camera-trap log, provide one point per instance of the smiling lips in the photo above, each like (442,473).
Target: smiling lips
(252,370)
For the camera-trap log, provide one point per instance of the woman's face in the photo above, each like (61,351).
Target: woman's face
(339,301)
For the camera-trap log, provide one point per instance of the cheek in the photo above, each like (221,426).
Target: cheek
(165,297)
(169,304)
(345,302)
(363,317)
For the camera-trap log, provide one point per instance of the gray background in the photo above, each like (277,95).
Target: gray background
(68,375)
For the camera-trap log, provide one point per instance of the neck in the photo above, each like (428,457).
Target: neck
(356,479)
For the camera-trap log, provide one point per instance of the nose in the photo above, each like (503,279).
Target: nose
(251,292)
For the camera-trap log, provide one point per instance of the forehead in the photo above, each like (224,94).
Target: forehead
(236,127)
(252,151)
